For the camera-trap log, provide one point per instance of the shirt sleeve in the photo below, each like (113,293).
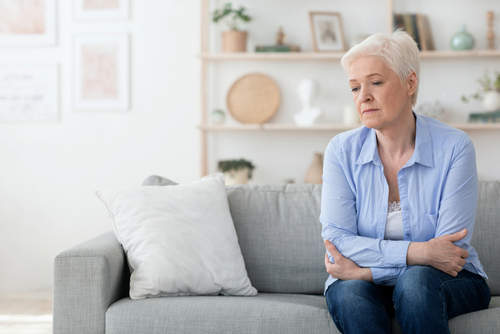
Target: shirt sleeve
(459,194)
(387,276)
(339,223)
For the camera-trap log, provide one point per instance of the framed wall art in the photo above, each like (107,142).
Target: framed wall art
(327,31)
(29,93)
(27,22)
(101,71)
(101,9)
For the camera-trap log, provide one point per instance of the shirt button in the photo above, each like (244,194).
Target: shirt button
(405,208)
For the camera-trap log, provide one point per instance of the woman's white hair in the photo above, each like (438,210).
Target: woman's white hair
(399,51)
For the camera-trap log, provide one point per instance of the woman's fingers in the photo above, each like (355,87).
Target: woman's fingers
(333,250)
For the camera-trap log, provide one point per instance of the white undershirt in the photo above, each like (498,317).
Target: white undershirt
(394,223)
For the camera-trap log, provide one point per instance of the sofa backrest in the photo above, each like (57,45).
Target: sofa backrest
(280,235)
(486,236)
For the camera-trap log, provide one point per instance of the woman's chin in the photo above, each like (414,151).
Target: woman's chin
(370,123)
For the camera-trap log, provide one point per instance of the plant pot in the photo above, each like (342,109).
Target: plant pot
(234,41)
(491,100)
(239,176)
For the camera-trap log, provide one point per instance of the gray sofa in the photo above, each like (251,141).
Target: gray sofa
(279,234)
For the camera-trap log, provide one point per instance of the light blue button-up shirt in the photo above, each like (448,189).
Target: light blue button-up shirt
(438,190)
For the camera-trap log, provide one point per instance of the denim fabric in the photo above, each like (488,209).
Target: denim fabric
(423,301)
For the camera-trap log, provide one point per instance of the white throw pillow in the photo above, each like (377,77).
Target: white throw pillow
(180,240)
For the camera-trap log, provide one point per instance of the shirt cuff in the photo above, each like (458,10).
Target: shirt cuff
(385,276)
(395,253)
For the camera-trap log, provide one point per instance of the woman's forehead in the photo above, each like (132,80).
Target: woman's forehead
(368,66)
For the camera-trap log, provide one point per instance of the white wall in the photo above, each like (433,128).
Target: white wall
(49,172)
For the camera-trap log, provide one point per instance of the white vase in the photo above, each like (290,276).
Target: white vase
(315,171)
(239,176)
(491,100)
(351,115)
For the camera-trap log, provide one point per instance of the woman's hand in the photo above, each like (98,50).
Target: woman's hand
(343,268)
(439,253)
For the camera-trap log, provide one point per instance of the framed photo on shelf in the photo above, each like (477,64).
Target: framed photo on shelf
(84,10)
(101,71)
(327,31)
(27,23)
(29,93)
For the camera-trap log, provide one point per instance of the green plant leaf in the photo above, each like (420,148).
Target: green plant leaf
(227,165)
(232,22)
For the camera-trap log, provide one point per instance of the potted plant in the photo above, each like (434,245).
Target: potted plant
(233,40)
(490,94)
(236,171)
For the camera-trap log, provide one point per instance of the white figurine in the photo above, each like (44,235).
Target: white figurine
(308,91)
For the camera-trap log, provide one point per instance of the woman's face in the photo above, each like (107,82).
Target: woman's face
(380,98)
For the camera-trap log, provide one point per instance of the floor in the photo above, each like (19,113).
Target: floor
(23,312)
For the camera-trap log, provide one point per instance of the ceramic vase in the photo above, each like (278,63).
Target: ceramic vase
(315,172)
(239,176)
(491,100)
(462,40)
(218,116)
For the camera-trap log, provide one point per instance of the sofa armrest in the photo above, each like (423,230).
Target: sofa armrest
(87,279)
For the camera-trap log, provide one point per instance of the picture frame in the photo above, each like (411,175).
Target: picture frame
(94,10)
(29,93)
(327,31)
(28,23)
(101,71)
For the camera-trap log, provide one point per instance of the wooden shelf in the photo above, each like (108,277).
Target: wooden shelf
(252,56)
(324,127)
(277,127)
(476,126)
(266,56)
(460,54)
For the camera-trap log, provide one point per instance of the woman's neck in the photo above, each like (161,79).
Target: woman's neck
(397,141)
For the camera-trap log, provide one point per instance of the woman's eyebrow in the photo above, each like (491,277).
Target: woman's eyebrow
(368,76)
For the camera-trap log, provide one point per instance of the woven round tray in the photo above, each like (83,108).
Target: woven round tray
(253,98)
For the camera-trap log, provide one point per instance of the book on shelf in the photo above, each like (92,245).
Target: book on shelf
(277,48)
(485,117)
(417,26)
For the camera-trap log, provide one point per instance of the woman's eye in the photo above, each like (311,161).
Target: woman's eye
(377,83)
(355,89)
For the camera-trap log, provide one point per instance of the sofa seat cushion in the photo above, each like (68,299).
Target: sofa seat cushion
(264,313)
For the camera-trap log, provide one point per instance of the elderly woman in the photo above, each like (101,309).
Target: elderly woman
(398,204)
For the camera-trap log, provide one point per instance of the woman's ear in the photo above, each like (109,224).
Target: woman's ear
(411,83)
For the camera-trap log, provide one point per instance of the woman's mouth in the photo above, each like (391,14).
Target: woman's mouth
(368,111)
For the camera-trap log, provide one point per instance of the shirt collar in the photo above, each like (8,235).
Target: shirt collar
(421,155)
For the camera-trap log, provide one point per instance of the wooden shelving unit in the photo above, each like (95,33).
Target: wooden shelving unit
(206,57)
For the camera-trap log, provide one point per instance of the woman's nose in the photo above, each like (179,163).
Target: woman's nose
(365,95)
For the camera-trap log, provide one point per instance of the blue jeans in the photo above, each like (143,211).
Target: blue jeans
(423,301)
